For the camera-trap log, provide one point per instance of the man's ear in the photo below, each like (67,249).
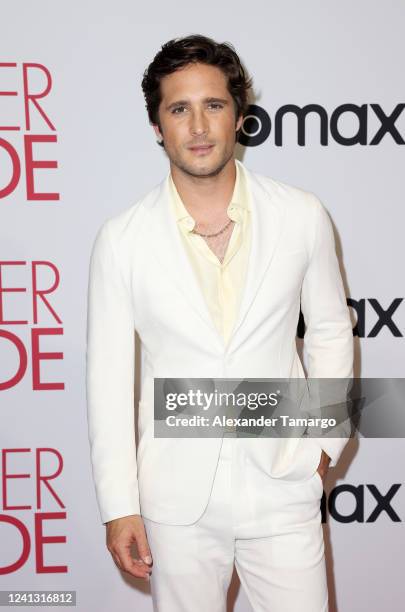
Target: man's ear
(158,132)
(239,123)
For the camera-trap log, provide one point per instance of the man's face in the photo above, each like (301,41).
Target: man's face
(197,109)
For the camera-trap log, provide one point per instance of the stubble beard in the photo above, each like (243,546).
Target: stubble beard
(190,170)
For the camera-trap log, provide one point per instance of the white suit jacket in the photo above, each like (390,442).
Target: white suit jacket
(141,279)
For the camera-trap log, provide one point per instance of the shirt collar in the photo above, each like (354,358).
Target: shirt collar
(239,201)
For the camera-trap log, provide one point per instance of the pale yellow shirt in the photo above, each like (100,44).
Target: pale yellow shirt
(221,283)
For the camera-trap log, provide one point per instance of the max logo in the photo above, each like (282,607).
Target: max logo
(372,307)
(257,124)
(383,504)
(384,317)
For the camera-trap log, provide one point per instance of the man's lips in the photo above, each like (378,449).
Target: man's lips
(202,148)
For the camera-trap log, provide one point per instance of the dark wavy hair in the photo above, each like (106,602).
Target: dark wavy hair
(195,48)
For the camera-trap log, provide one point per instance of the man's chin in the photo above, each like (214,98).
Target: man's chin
(202,169)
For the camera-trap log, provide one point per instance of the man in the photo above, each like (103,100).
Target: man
(211,268)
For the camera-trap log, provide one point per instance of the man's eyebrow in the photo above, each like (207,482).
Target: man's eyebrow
(185,102)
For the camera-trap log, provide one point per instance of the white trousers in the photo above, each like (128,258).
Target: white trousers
(270,529)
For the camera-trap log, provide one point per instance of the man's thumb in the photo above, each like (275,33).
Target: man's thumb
(145,553)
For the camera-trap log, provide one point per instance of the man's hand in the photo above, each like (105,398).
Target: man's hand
(323,466)
(121,533)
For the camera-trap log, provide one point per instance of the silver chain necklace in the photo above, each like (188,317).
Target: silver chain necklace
(213,235)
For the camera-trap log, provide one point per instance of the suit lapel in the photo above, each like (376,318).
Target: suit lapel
(166,245)
(165,241)
(267,218)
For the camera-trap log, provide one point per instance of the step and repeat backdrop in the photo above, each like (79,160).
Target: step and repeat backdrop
(327,115)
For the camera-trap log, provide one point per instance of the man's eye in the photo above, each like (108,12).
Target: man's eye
(176,109)
(216,104)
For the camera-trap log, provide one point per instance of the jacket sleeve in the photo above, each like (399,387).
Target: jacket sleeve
(110,372)
(328,339)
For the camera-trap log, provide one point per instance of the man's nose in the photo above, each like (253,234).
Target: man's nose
(198,123)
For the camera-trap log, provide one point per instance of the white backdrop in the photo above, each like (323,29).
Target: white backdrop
(92,122)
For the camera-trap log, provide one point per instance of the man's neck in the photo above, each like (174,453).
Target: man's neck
(206,198)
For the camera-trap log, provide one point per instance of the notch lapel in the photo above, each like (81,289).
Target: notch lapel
(166,245)
(267,219)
